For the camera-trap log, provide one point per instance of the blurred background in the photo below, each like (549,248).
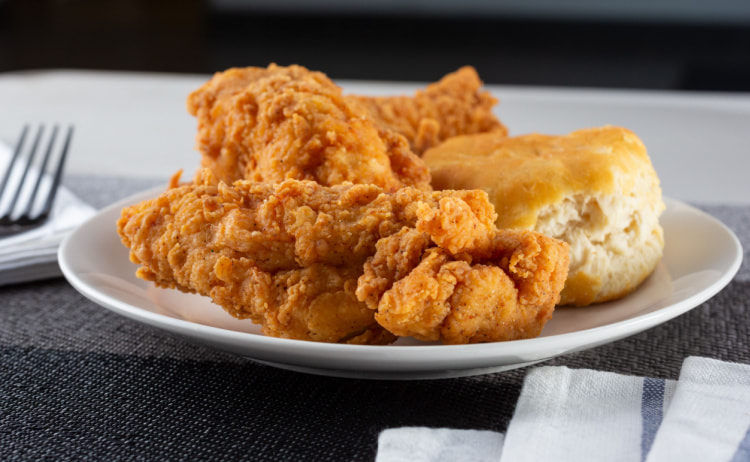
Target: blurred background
(644,44)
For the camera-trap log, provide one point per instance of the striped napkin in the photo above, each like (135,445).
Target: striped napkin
(709,418)
(584,415)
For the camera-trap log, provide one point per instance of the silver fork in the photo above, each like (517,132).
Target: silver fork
(24,205)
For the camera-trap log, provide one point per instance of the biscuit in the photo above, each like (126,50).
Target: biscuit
(595,189)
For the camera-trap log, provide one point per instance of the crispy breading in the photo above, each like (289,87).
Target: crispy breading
(453,106)
(498,285)
(335,264)
(270,124)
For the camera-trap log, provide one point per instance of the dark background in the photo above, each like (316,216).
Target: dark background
(507,47)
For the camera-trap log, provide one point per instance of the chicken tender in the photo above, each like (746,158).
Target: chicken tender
(500,285)
(260,252)
(338,264)
(271,124)
(450,107)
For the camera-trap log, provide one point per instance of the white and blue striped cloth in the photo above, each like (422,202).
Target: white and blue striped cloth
(580,415)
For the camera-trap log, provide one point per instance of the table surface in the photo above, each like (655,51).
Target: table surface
(80,382)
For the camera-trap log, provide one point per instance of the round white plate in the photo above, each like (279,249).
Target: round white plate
(701,256)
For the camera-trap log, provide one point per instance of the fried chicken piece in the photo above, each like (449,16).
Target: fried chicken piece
(485,286)
(450,107)
(270,124)
(258,252)
(311,262)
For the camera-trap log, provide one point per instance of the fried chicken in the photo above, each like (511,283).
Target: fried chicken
(270,124)
(478,284)
(255,251)
(450,107)
(348,263)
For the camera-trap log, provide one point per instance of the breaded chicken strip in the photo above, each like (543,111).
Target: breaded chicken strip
(311,262)
(453,106)
(255,251)
(270,124)
(507,292)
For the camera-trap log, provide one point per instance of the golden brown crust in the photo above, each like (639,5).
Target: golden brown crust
(270,124)
(453,106)
(505,289)
(524,173)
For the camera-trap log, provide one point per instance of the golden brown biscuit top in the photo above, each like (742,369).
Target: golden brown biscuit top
(524,173)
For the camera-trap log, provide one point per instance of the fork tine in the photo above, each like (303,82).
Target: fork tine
(26,169)
(12,163)
(40,175)
(58,173)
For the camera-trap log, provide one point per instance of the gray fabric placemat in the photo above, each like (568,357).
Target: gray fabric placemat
(81,383)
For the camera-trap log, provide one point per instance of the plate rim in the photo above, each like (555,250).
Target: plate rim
(371,357)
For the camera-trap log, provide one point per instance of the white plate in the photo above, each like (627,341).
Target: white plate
(701,256)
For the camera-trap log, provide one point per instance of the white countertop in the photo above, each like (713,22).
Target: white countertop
(135,124)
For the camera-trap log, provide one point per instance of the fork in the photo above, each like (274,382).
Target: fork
(22,211)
